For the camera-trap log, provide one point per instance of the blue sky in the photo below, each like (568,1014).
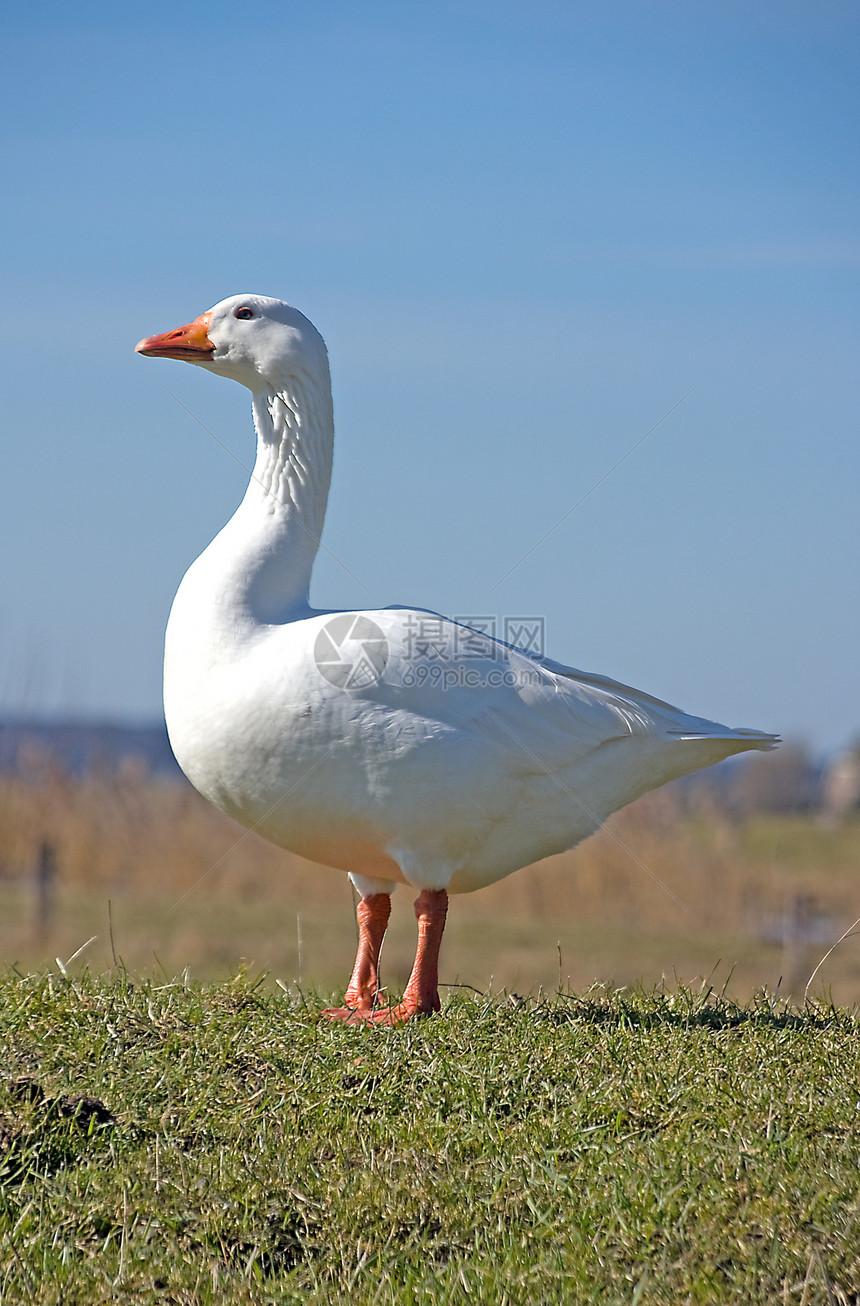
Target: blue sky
(526,232)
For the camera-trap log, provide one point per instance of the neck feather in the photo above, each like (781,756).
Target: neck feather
(284,506)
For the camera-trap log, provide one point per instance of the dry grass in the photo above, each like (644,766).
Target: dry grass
(670,889)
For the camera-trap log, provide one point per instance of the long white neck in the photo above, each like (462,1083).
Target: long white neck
(265,553)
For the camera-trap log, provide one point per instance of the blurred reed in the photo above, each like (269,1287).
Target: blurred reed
(672,874)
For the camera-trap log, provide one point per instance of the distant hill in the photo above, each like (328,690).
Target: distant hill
(81,746)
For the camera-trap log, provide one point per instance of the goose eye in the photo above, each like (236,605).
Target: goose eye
(243,313)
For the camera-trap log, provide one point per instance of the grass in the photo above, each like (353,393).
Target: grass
(620,1147)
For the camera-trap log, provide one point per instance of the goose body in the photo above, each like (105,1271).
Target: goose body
(393,744)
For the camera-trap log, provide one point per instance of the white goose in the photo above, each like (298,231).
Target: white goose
(393,744)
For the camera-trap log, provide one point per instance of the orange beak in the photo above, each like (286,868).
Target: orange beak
(190,342)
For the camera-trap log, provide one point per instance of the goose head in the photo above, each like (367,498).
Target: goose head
(253,339)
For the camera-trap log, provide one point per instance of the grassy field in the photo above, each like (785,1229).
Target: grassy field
(659,1139)
(163,1142)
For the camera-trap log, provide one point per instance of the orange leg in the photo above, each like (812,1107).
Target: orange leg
(422,992)
(372,912)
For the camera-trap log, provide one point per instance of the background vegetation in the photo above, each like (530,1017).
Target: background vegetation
(748,884)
